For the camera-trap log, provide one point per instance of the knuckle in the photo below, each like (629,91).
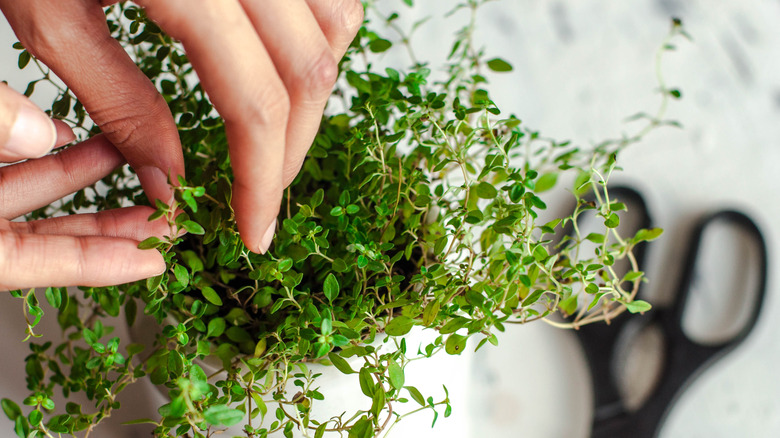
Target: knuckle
(122,123)
(270,106)
(318,75)
(45,33)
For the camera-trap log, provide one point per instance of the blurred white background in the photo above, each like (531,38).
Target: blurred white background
(580,68)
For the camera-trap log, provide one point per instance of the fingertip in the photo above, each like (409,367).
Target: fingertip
(267,239)
(155,184)
(32,135)
(158,267)
(65,134)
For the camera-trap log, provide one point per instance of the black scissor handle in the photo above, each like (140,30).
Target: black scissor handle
(685,358)
(599,341)
(745,223)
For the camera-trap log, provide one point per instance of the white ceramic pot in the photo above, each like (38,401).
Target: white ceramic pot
(342,392)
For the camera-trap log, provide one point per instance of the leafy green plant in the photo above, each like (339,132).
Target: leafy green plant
(418,206)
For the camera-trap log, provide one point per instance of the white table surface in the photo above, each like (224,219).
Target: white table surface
(581,67)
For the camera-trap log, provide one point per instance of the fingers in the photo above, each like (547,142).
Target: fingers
(339,20)
(72,38)
(127,223)
(25,130)
(270,122)
(306,65)
(27,186)
(236,71)
(31,260)
(65,134)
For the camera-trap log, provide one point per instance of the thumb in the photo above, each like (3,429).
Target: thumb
(25,130)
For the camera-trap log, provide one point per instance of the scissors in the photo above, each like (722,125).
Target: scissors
(684,358)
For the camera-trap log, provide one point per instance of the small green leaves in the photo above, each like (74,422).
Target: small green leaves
(11,409)
(612,221)
(222,415)
(455,344)
(150,243)
(399,326)
(396,374)
(419,204)
(379,45)
(340,363)
(647,235)
(193,227)
(638,306)
(211,296)
(331,287)
(546,182)
(499,65)
(486,191)
(24,59)
(216,327)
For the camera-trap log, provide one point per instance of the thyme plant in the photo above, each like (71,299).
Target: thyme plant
(418,206)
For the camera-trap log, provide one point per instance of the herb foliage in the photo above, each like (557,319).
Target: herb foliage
(418,206)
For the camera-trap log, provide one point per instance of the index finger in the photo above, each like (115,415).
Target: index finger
(239,76)
(72,38)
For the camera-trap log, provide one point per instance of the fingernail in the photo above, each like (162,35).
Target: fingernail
(268,237)
(32,135)
(155,183)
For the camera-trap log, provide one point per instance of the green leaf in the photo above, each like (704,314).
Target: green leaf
(192,260)
(361,429)
(317,198)
(216,327)
(416,395)
(430,313)
(24,59)
(193,227)
(54,297)
(633,276)
(499,65)
(11,409)
(379,45)
(569,305)
(331,287)
(378,401)
(181,274)
(35,417)
(455,344)
(486,190)
(647,235)
(366,382)
(612,221)
(151,242)
(30,89)
(546,182)
(595,237)
(211,296)
(222,415)
(399,326)
(396,374)
(638,306)
(326,327)
(340,363)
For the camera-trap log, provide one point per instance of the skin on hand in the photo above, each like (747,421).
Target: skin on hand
(97,249)
(267,65)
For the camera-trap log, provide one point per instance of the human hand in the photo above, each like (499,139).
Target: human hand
(267,65)
(97,249)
